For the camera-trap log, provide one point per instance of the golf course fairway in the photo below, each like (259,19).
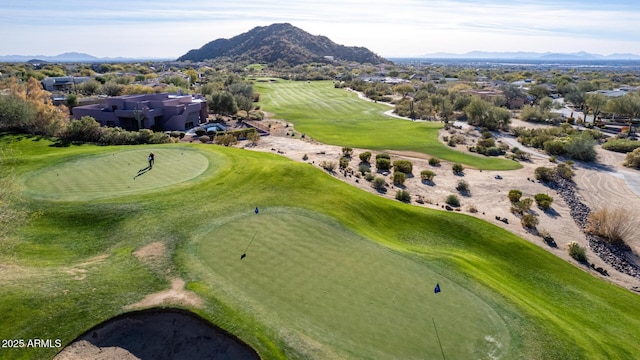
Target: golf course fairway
(330,271)
(309,275)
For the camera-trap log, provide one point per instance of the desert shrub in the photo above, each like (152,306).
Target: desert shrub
(328,165)
(403,195)
(492,151)
(564,171)
(364,168)
(365,156)
(452,200)
(543,201)
(379,183)
(457,168)
(174,134)
(383,156)
(305,157)
(544,174)
(486,142)
(368,176)
(253,137)
(204,138)
(515,195)
(462,186)
(347,152)
(522,155)
(552,159)
(582,147)
(427,175)
(434,161)
(344,162)
(458,139)
(226,139)
(403,166)
(577,252)
(522,207)
(621,145)
(555,147)
(529,221)
(200,131)
(399,178)
(383,164)
(633,159)
(615,226)
(472,209)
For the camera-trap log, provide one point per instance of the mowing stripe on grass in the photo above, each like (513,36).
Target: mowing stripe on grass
(338,117)
(308,274)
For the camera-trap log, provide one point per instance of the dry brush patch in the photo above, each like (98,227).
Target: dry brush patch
(616,226)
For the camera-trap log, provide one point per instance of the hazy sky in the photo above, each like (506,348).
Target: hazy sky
(392,28)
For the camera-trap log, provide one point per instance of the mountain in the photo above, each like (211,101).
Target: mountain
(521,55)
(70,57)
(268,44)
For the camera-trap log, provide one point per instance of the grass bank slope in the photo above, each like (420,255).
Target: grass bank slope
(74,266)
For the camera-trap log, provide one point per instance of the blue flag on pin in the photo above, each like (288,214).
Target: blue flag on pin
(437,289)
(257,211)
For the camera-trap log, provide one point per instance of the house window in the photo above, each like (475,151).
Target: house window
(188,125)
(114,107)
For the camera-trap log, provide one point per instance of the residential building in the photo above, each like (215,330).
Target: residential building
(163,111)
(63,83)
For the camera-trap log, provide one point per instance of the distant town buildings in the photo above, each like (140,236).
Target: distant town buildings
(63,83)
(163,111)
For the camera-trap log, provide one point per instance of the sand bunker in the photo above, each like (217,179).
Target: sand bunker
(157,334)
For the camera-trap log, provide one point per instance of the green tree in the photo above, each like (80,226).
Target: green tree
(538,92)
(596,103)
(403,89)
(482,113)
(222,102)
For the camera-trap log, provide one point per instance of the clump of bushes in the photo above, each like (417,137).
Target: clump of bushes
(427,175)
(529,221)
(344,162)
(305,157)
(383,164)
(204,139)
(544,174)
(434,161)
(379,183)
(612,225)
(462,186)
(347,152)
(383,156)
(457,168)
(514,195)
(403,166)
(328,165)
(452,200)
(577,252)
(403,195)
(521,207)
(633,159)
(364,168)
(564,171)
(365,156)
(621,145)
(399,178)
(369,177)
(226,139)
(543,201)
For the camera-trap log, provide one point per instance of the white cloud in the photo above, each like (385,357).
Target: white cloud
(399,28)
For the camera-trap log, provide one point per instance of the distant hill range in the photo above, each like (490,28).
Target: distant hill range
(285,42)
(531,56)
(73,57)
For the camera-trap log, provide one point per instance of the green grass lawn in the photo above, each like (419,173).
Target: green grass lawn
(333,271)
(338,117)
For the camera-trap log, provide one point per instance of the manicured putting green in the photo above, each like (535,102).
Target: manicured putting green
(115,173)
(314,279)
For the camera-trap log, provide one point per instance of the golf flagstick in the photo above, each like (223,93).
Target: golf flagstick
(244,254)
